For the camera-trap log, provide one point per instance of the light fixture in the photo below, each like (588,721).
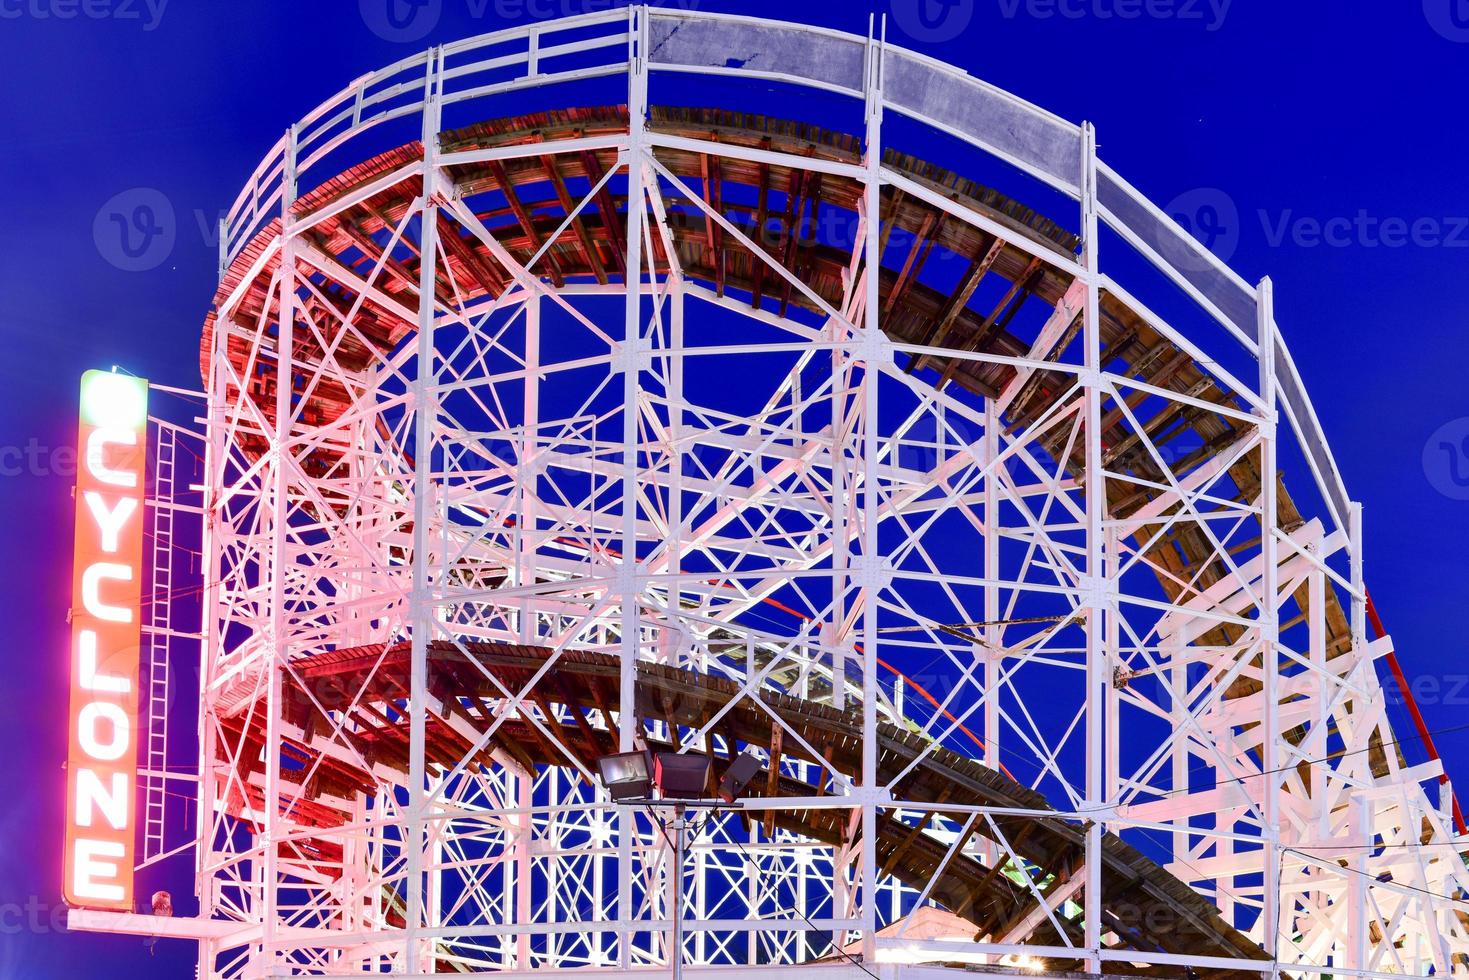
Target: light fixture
(114,400)
(743,769)
(677,777)
(626,775)
(681,779)
(681,776)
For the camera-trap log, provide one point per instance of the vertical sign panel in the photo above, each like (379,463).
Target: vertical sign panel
(106,635)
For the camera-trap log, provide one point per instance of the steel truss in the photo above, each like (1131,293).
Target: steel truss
(1059,547)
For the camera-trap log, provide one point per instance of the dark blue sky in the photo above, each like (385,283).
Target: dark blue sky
(1279,118)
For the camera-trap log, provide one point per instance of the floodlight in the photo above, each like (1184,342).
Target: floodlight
(626,775)
(738,776)
(681,776)
(162,904)
(114,400)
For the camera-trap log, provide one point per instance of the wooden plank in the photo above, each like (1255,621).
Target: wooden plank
(978,266)
(762,216)
(588,248)
(772,776)
(1016,294)
(517,207)
(918,254)
(607,209)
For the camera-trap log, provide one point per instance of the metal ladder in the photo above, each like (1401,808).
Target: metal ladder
(159,631)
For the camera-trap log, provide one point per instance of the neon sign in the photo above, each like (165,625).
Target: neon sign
(106,635)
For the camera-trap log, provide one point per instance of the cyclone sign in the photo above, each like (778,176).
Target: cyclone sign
(105,640)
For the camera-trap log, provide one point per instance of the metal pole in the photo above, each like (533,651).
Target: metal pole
(277,653)
(873,353)
(1269,624)
(1094,593)
(420,605)
(210,566)
(675,951)
(1359,818)
(627,579)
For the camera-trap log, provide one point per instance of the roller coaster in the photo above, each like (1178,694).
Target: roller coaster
(621,382)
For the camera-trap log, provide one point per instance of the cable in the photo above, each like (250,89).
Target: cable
(1380,847)
(801,912)
(1219,886)
(1424,735)
(658,822)
(1327,758)
(754,865)
(1164,794)
(1457,900)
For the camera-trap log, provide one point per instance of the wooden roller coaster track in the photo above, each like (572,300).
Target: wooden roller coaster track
(534,199)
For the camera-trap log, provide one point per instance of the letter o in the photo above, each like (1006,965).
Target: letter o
(87,720)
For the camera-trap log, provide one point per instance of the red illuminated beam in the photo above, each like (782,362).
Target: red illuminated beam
(1417,715)
(105,640)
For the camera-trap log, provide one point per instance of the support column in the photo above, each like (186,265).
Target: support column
(210,563)
(832,637)
(524,782)
(279,521)
(529,451)
(1325,690)
(1360,817)
(1359,822)
(1269,620)
(994,634)
(873,354)
(1097,656)
(675,371)
(524,865)
(627,582)
(1178,756)
(420,604)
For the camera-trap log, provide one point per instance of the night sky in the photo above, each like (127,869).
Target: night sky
(1321,143)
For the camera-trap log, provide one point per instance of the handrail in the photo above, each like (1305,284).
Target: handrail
(521,54)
